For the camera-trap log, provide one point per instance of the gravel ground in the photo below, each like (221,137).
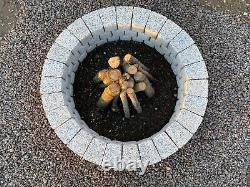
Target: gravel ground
(32,155)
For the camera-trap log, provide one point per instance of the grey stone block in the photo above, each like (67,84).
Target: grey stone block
(142,37)
(188,119)
(140,18)
(61,54)
(69,41)
(178,133)
(124,17)
(68,130)
(195,104)
(53,68)
(180,42)
(196,87)
(167,33)
(130,152)
(154,24)
(53,101)
(112,154)
(80,142)
(148,152)
(52,85)
(194,71)
(81,58)
(94,23)
(164,145)
(80,30)
(188,56)
(95,151)
(108,17)
(106,35)
(59,116)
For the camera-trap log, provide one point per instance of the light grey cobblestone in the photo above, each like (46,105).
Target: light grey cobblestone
(148,152)
(59,116)
(95,151)
(130,152)
(80,30)
(68,130)
(113,153)
(154,24)
(108,17)
(195,87)
(180,42)
(80,142)
(124,17)
(53,101)
(53,68)
(140,18)
(178,133)
(195,104)
(167,33)
(61,54)
(194,71)
(52,85)
(188,119)
(69,41)
(164,145)
(93,22)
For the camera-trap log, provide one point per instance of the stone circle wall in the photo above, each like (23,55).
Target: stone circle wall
(123,23)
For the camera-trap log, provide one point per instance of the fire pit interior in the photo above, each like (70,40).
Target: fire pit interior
(156,111)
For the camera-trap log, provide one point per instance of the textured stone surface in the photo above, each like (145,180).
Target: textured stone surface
(164,145)
(69,41)
(53,68)
(108,17)
(80,30)
(154,24)
(80,142)
(140,18)
(178,133)
(59,116)
(113,153)
(167,33)
(194,71)
(195,104)
(53,100)
(68,130)
(95,151)
(180,42)
(124,17)
(93,22)
(130,152)
(52,85)
(188,119)
(196,87)
(148,152)
(61,54)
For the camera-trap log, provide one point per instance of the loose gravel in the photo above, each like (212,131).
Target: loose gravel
(32,155)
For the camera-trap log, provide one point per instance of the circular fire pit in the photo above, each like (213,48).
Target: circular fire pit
(123,23)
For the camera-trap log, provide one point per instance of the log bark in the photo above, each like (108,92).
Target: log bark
(128,58)
(134,100)
(140,77)
(124,100)
(108,94)
(131,69)
(150,77)
(114,106)
(140,86)
(100,76)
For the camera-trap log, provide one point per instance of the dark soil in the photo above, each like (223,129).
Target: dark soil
(156,111)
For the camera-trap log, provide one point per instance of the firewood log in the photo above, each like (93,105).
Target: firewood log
(108,94)
(128,58)
(114,62)
(140,77)
(124,100)
(132,96)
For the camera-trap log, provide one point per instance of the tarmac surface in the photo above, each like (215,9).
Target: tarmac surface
(32,155)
